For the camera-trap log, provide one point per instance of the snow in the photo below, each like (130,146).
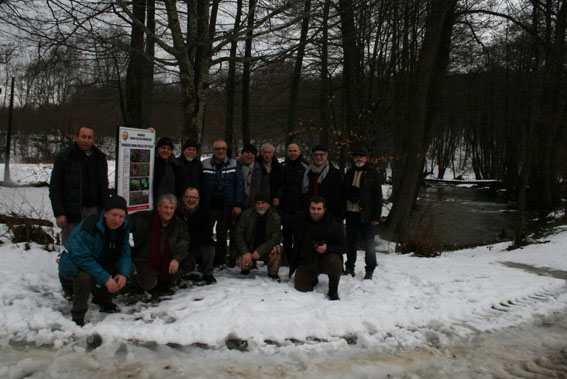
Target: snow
(410,302)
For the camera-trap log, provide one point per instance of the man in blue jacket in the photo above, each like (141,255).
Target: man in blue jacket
(97,259)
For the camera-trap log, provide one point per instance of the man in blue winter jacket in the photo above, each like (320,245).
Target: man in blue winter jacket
(97,259)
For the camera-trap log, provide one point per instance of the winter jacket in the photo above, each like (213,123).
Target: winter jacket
(85,247)
(230,177)
(199,226)
(331,189)
(164,177)
(291,198)
(369,194)
(332,233)
(141,225)
(66,188)
(188,174)
(275,177)
(260,182)
(245,232)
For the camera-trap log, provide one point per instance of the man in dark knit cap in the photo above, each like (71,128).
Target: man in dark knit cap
(257,237)
(164,169)
(97,260)
(188,172)
(255,176)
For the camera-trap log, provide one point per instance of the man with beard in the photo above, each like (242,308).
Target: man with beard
(161,241)
(321,178)
(257,237)
(319,243)
(79,182)
(188,172)
(363,193)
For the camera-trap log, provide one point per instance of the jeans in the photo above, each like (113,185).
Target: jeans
(353,226)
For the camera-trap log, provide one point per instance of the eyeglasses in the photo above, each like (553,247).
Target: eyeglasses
(319,154)
(219,148)
(189,197)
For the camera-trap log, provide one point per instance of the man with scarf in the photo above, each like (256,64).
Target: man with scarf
(79,182)
(273,170)
(319,243)
(161,241)
(363,193)
(97,260)
(321,178)
(165,169)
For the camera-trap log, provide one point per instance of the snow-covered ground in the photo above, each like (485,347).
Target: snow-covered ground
(412,303)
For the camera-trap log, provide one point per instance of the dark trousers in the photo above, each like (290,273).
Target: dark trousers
(81,286)
(287,234)
(147,278)
(353,226)
(222,220)
(306,274)
(204,256)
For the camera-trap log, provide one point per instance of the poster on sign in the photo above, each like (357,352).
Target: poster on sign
(135,167)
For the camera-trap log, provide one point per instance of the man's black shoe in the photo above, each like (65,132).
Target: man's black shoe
(106,306)
(333,295)
(78,319)
(209,279)
(349,271)
(245,272)
(275,278)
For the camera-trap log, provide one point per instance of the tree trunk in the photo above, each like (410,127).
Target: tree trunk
(431,66)
(246,75)
(324,98)
(135,70)
(231,81)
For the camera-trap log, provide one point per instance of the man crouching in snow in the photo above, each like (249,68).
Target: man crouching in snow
(97,259)
(161,242)
(318,244)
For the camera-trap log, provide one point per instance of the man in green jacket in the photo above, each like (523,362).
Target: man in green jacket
(257,237)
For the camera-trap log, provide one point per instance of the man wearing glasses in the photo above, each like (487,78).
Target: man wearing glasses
(222,191)
(201,247)
(322,179)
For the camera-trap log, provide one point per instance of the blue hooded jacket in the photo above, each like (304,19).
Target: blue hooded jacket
(85,246)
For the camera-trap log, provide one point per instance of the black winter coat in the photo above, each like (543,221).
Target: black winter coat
(291,198)
(199,225)
(370,193)
(275,177)
(188,174)
(332,233)
(164,177)
(331,189)
(66,188)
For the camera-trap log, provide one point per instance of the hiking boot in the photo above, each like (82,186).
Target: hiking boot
(78,319)
(209,279)
(349,271)
(368,275)
(245,272)
(333,295)
(106,306)
(275,278)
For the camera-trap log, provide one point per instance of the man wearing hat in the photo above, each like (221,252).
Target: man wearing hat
(164,169)
(322,179)
(97,260)
(256,178)
(188,172)
(363,193)
(257,237)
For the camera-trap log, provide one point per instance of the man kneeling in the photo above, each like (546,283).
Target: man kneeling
(161,241)
(319,243)
(257,237)
(97,259)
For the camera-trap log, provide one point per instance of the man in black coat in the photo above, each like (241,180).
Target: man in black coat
(290,195)
(321,178)
(319,243)
(79,182)
(165,169)
(188,171)
(363,193)
(202,246)
(274,171)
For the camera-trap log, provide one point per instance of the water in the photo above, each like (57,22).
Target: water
(459,216)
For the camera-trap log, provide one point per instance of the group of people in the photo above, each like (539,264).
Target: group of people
(279,213)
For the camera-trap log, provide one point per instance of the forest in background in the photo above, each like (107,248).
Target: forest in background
(413,80)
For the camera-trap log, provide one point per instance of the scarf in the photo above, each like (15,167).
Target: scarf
(158,261)
(323,170)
